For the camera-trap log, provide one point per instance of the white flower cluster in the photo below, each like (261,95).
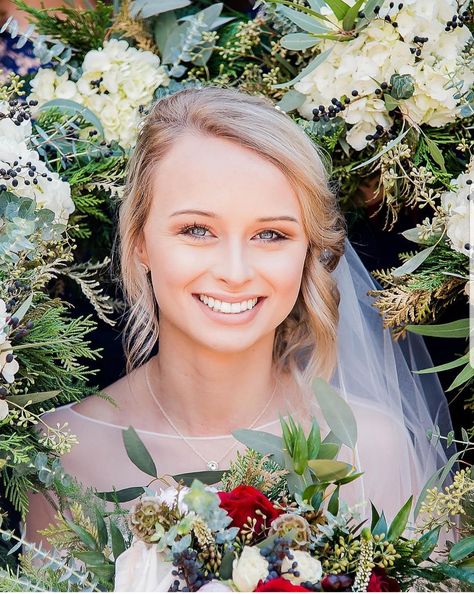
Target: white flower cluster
(23,173)
(116,80)
(381,50)
(459,208)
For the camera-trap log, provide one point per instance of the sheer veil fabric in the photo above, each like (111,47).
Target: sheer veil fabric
(393,407)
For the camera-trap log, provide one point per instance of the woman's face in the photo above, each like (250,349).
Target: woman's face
(206,238)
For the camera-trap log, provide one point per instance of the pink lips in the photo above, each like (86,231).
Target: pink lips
(231,318)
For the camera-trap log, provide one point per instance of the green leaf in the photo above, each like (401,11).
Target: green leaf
(101,529)
(118,542)
(328,451)
(381,526)
(286,433)
(121,496)
(337,412)
(451,365)
(329,470)
(458,573)
(225,569)
(456,329)
(387,147)
(262,442)
(306,22)
(319,59)
(462,549)
(144,9)
(104,572)
(427,543)
(466,374)
(349,479)
(413,263)
(67,105)
(90,557)
(435,152)
(375,517)
(137,452)
(299,41)
(163,26)
(291,100)
(351,15)
(333,504)
(208,477)
(84,536)
(314,440)
(24,307)
(300,452)
(400,521)
(339,8)
(390,102)
(35,397)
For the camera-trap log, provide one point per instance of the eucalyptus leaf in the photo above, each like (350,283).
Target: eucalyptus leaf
(122,495)
(413,263)
(83,534)
(72,106)
(333,504)
(390,102)
(319,59)
(451,365)
(456,329)
(351,15)
(34,397)
(386,148)
(118,542)
(101,529)
(208,477)
(147,8)
(329,470)
(306,22)
(435,152)
(403,86)
(337,412)
(24,307)
(299,41)
(225,569)
(381,526)
(262,442)
(163,26)
(329,451)
(463,377)
(90,557)
(137,452)
(375,516)
(427,543)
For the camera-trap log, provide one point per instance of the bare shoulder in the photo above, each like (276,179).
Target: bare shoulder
(113,403)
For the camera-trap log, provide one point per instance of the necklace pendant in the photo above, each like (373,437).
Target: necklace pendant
(212,465)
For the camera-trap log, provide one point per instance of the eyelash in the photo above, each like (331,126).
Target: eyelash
(185,231)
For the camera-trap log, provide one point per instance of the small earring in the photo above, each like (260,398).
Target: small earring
(145,267)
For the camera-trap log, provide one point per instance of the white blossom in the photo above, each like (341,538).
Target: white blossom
(249,569)
(8,368)
(380,51)
(309,568)
(459,207)
(4,410)
(116,80)
(3,321)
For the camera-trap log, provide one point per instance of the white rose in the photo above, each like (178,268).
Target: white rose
(249,569)
(215,586)
(141,568)
(8,369)
(3,321)
(309,568)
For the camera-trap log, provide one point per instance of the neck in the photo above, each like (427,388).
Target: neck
(207,393)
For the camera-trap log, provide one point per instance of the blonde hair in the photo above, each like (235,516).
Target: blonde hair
(305,342)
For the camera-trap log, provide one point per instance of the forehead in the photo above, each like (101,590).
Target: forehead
(220,175)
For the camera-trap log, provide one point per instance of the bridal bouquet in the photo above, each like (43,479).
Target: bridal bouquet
(274,521)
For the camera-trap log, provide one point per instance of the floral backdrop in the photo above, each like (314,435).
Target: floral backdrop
(385,88)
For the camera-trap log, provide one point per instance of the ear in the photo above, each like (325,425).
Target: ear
(141,251)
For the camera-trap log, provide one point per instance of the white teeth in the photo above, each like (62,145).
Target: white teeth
(226,307)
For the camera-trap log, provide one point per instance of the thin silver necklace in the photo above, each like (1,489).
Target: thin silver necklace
(210,464)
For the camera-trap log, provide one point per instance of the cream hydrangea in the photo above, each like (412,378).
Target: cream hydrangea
(115,81)
(459,208)
(24,174)
(381,50)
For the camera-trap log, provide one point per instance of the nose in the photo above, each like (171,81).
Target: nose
(233,264)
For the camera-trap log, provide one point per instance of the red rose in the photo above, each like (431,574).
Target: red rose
(244,502)
(381,582)
(279,584)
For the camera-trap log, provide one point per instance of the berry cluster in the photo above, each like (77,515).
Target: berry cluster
(189,570)
(19,110)
(457,20)
(11,174)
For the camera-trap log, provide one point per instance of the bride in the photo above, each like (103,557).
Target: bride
(234,253)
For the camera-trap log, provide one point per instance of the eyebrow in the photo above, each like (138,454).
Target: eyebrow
(213,215)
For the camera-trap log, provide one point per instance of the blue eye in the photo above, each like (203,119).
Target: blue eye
(187,230)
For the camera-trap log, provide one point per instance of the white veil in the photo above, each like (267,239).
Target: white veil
(375,374)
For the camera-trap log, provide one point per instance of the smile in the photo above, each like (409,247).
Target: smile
(226,307)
